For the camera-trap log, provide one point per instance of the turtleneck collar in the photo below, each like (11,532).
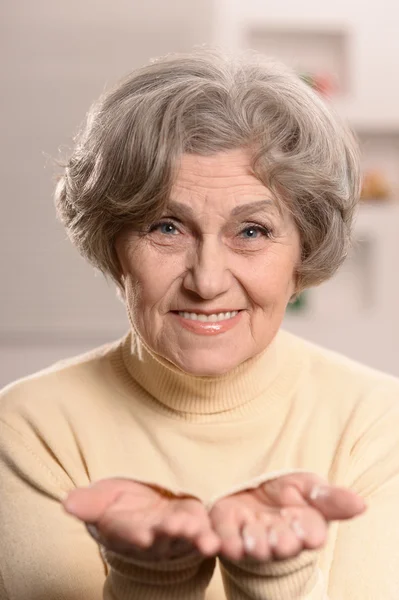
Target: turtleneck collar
(184,394)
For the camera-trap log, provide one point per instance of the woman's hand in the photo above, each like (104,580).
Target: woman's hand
(135,520)
(281,517)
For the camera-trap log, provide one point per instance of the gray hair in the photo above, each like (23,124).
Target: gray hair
(123,165)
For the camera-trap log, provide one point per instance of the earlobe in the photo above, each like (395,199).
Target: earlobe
(122,281)
(296,283)
(121,288)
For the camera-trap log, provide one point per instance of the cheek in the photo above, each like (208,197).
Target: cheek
(271,282)
(152,281)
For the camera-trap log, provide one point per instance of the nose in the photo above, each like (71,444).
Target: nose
(207,274)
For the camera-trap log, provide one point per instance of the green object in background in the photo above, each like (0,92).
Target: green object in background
(299,304)
(307,78)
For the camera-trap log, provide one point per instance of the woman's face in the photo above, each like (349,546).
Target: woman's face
(208,284)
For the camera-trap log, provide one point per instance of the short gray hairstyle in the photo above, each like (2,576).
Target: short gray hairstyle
(123,165)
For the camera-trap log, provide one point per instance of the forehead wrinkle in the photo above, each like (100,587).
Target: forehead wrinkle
(219,164)
(239,210)
(220,181)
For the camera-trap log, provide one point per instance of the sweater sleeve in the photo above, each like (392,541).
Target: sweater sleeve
(47,554)
(290,579)
(365,563)
(44,554)
(186,578)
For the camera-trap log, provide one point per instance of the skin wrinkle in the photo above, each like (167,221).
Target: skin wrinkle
(206,263)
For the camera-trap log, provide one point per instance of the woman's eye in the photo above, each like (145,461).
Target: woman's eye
(165,227)
(254,232)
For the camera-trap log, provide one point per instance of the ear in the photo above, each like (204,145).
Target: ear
(120,290)
(122,281)
(295,287)
(298,283)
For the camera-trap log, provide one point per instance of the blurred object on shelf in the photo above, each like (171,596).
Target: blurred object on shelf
(320,53)
(375,186)
(323,83)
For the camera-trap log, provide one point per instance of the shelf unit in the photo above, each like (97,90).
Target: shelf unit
(356,312)
(306,49)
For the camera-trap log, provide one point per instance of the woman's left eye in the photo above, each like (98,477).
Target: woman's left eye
(165,227)
(254,231)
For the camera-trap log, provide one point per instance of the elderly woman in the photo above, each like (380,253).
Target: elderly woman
(208,454)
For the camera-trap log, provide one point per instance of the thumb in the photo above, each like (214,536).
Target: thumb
(301,489)
(89,503)
(336,503)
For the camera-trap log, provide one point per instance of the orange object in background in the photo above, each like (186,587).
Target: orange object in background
(375,186)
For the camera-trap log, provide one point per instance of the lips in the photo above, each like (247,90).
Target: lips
(214,311)
(209,323)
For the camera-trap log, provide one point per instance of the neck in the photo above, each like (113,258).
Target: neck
(189,397)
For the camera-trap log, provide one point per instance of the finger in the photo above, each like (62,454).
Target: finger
(300,489)
(173,524)
(284,539)
(207,542)
(308,525)
(89,503)
(282,492)
(194,528)
(228,525)
(336,503)
(255,540)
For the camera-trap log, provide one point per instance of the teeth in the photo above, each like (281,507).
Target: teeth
(209,318)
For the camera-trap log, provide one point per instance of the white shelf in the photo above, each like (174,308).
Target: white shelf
(307,50)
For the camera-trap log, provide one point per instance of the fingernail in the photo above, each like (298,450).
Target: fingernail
(297,529)
(249,542)
(273,538)
(68,504)
(318,491)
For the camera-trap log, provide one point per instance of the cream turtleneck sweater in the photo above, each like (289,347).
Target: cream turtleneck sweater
(119,411)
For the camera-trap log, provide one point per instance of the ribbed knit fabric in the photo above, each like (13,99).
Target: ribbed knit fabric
(121,411)
(186,577)
(295,578)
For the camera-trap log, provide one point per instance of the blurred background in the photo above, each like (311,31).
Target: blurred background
(57,57)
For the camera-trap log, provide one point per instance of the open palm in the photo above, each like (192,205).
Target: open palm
(136,520)
(276,520)
(281,517)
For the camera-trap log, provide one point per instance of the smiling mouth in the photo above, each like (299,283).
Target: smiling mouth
(208,318)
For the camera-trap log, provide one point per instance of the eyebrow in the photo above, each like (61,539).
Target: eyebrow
(243,209)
